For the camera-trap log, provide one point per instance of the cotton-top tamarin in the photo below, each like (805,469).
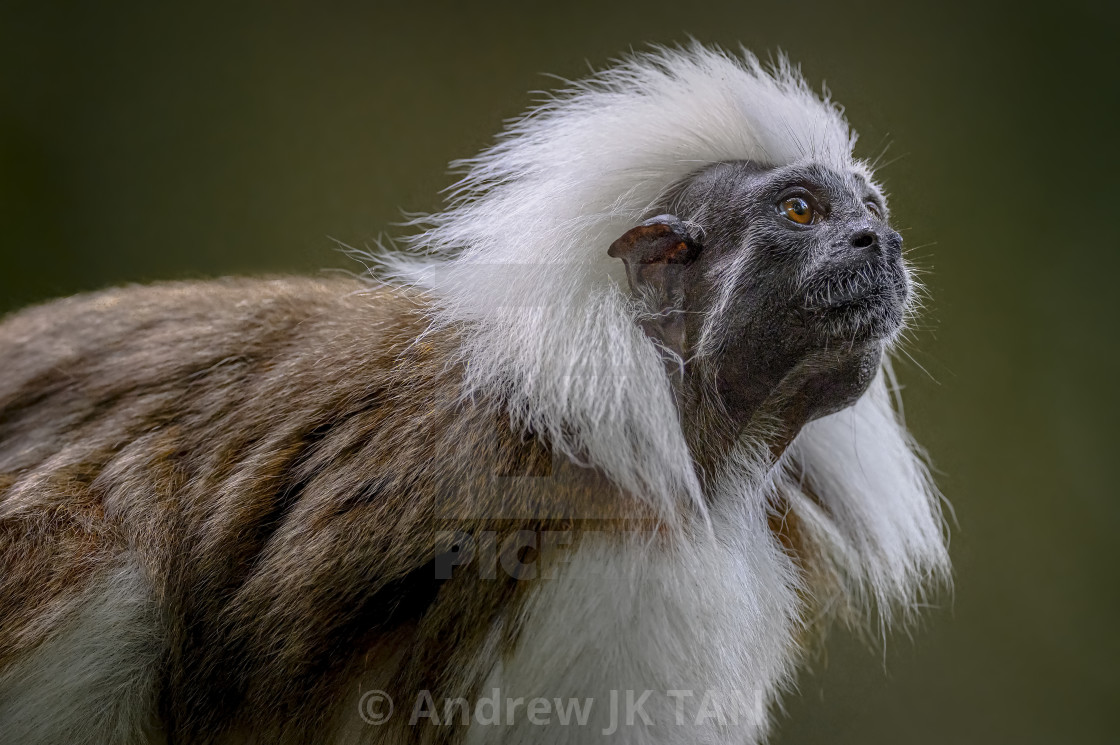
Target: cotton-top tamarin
(617,431)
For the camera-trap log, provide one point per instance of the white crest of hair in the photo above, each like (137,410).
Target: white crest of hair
(520,255)
(518,261)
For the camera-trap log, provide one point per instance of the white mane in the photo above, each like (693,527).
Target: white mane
(519,260)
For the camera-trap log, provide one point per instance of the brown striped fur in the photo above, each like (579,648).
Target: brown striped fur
(258,449)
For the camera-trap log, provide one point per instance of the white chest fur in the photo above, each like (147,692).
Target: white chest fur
(635,643)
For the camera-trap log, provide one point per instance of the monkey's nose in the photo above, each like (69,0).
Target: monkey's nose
(865,239)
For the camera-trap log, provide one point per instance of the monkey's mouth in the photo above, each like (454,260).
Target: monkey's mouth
(860,303)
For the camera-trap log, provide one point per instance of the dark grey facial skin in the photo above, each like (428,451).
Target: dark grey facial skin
(779,322)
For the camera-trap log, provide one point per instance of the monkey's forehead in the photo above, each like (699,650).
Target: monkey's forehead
(854,178)
(744,179)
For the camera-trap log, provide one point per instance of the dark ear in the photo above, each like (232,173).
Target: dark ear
(656,254)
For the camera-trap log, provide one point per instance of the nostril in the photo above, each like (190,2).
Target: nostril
(864,239)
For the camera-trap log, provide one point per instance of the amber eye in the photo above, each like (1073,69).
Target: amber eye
(798,210)
(875,209)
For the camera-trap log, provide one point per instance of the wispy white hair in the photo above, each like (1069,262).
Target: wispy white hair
(518,261)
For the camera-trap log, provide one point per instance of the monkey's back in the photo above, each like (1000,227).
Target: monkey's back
(249,455)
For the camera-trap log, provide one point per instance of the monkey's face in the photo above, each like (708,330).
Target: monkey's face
(804,247)
(763,273)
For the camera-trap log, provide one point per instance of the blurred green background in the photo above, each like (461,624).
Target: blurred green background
(141,141)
